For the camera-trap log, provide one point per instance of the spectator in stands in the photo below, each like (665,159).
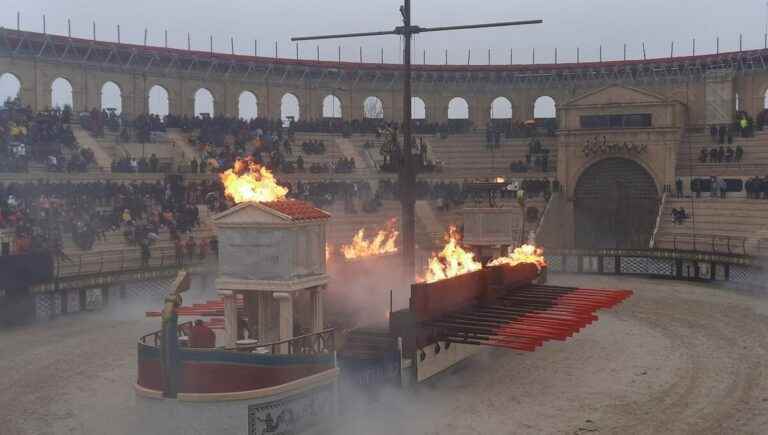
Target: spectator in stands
(679,216)
(696,187)
(679,187)
(722,187)
(190,247)
(203,246)
(145,252)
(178,249)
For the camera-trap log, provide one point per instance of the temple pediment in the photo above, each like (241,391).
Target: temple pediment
(618,95)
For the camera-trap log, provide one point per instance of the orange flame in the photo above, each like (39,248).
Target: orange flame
(383,243)
(523,254)
(453,260)
(249,181)
(328,251)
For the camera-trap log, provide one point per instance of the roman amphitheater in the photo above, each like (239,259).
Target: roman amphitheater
(649,175)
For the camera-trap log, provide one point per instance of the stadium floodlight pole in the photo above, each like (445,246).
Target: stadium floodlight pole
(407,174)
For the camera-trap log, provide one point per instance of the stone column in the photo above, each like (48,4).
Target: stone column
(318,319)
(286,318)
(264,316)
(230,317)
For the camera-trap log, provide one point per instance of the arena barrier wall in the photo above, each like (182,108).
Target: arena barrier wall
(666,264)
(216,371)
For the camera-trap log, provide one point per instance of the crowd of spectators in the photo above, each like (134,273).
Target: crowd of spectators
(390,149)
(43,213)
(44,137)
(537,159)
(744,126)
(142,165)
(507,128)
(757,187)
(722,154)
(716,186)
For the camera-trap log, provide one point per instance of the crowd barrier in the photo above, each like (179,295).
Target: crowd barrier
(743,270)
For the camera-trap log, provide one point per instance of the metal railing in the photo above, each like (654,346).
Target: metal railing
(153,338)
(117,261)
(309,344)
(715,243)
(656,227)
(762,246)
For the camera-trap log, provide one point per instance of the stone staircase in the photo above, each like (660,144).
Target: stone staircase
(102,152)
(181,141)
(347,147)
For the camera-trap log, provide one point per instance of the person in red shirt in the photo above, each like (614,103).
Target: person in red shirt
(201,336)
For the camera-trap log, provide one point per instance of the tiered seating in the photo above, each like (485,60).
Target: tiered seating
(720,225)
(332,150)
(115,240)
(166,152)
(754,162)
(468,154)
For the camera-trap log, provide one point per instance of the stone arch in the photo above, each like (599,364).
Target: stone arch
(10,87)
(61,93)
(247,106)
(204,102)
(545,107)
(159,102)
(331,106)
(111,97)
(290,107)
(373,108)
(501,108)
(418,108)
(615,205)
(458,108)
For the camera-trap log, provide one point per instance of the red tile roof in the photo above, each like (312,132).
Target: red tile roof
(297,210)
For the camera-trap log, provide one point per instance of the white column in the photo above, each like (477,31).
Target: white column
(230,317)
(264,317)
(318,319)
(286,318)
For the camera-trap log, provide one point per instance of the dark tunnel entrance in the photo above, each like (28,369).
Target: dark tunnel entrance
(616,204)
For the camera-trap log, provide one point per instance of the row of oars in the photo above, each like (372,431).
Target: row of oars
(524,319)
(207,309)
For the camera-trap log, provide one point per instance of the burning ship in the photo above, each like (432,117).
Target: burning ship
(273,279)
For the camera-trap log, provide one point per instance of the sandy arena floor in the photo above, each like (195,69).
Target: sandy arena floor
(675,358)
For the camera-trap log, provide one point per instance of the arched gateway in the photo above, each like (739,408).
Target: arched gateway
(616,204)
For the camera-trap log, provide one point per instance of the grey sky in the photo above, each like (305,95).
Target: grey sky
(567,24)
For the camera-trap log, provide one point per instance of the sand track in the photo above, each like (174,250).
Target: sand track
(675,358)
